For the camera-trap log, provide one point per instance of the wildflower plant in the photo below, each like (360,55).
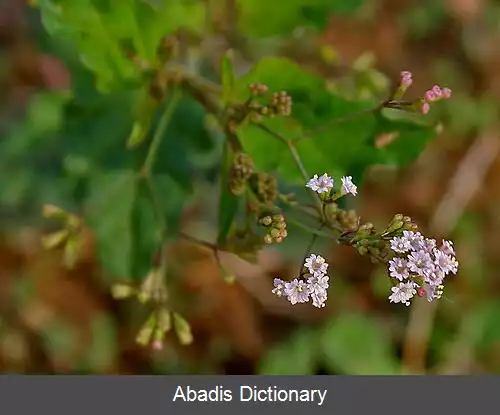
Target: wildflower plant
(276,123)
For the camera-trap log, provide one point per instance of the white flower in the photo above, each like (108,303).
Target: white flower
(434,275)
(319,299)
(447,247)
(316,264)
(428,245)
(398,268)
(444,262)
(415,239)
(420,262)
(297,292)
(400,244)
(320,184)
(348,186)
(279,287)
(403,293)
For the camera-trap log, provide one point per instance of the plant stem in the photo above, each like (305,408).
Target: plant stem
(159,132)
(295,155)
(337,120)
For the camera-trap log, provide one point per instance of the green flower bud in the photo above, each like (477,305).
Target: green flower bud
(182,329)
(122,291)
(55,239)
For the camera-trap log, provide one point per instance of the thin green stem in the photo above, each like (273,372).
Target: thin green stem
(295,155)
(310,245)
(337,120)
(148,167)
(312,230)
(160,131)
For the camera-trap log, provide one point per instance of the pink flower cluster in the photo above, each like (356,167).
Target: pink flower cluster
(436,93)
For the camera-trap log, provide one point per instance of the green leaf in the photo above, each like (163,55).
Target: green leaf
(329,147)
(106,33)
(409,140)
(262,18)
(146,229)
(109,208)
(295,356)
(355,345)
(172,199)
(228,78)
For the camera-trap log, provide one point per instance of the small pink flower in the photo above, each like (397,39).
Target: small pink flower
(430,95)
(406,80)
(446,93)
(424,108)
(437,90)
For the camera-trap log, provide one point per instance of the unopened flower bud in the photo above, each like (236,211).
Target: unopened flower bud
(257,88)
(54,212)
(274,233)
(182,329)
(146,331)
(266,220)
(362,250)
(122,291)
(424,108)
(55,239)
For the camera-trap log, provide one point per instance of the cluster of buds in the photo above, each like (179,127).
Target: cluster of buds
(275,227)
(368,241)
(68,238)
(240,172)
(257,89)
(158,324)
(152,289)
(279,104)
(398,224)
(348,219)
(436,93)
(312,285)
(265,187)
(419,267)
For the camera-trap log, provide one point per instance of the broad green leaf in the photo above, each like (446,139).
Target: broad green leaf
(107,34)
(146,228)
(328,146)
(172,198)
(228,77)
(356,345)
(295,356)
(109,208)
(266,150)
(407,139)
